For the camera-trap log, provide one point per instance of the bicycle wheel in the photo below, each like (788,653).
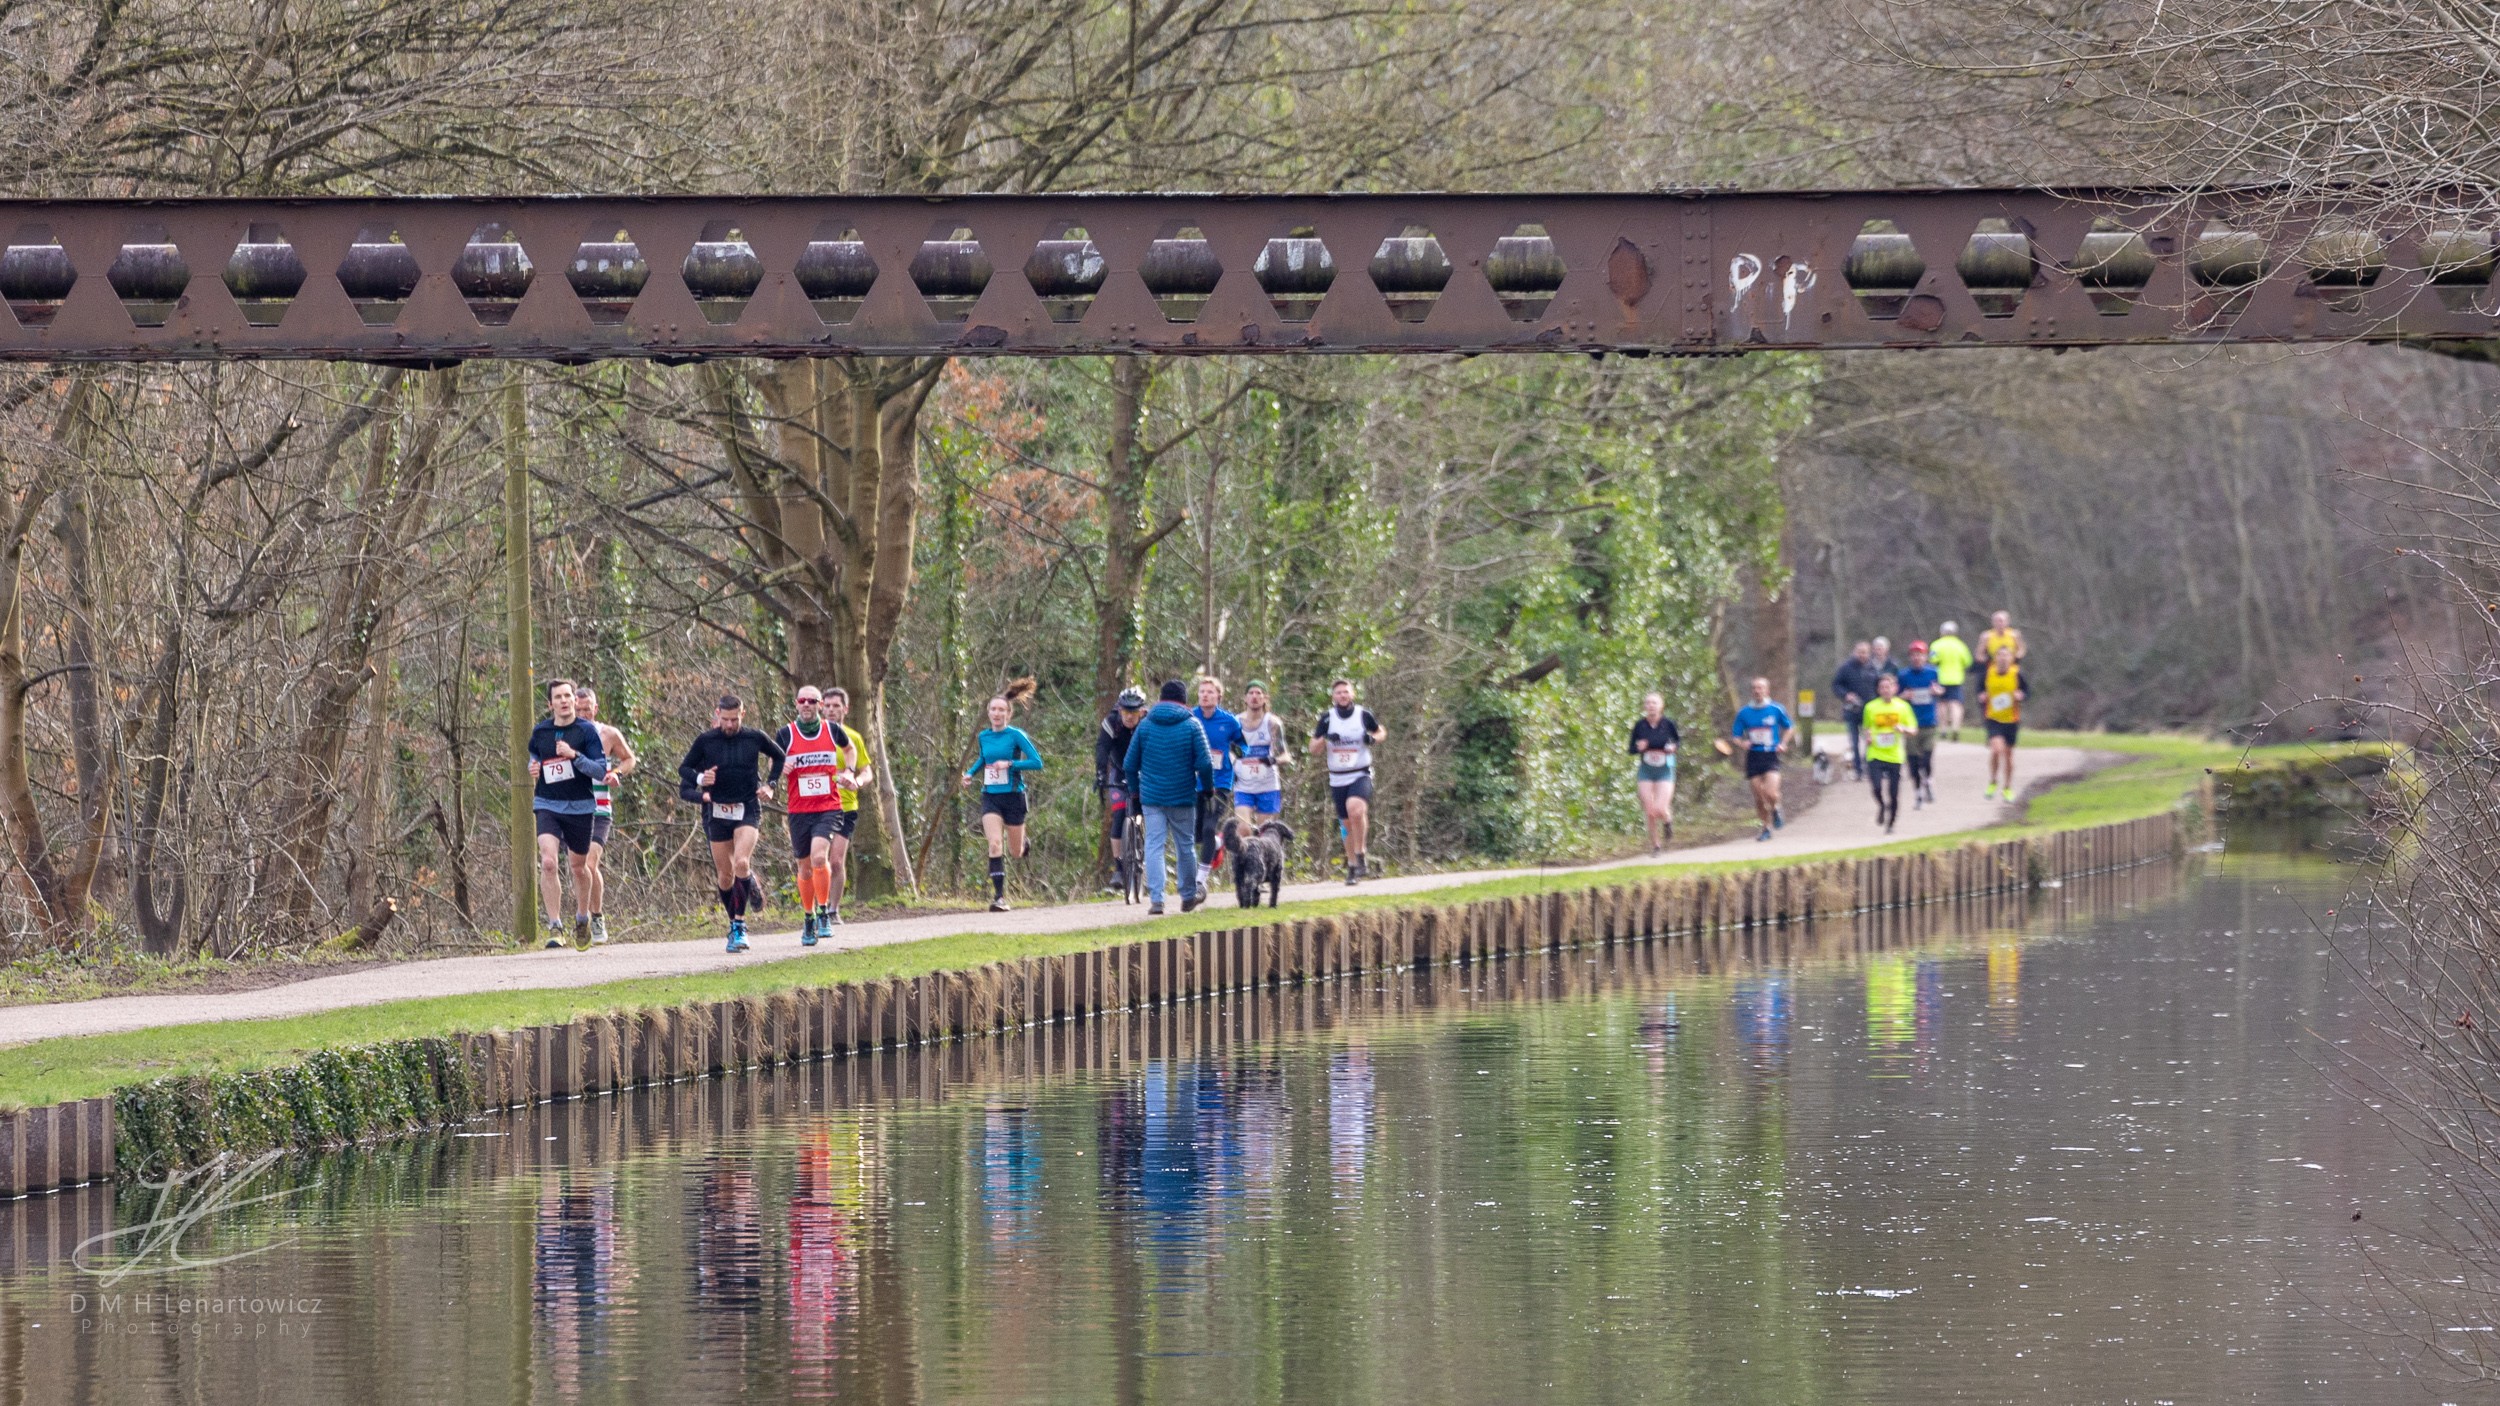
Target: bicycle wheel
(1133,847)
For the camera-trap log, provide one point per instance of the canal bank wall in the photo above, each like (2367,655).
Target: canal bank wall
(338,1097)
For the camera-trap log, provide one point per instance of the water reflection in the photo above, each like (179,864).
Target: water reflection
(1829,1166)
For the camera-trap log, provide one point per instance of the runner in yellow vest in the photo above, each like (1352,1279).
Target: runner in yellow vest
(2002,690)
(1952,659)
(2001,634)
(1888,722)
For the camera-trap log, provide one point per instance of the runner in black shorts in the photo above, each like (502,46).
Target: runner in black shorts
(1344,738)
(724,772)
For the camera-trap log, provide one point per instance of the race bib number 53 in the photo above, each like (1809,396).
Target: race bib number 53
(994,774)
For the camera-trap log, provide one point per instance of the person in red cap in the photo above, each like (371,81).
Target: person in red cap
(1920,688)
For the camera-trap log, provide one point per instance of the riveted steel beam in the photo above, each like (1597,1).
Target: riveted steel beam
(574,278)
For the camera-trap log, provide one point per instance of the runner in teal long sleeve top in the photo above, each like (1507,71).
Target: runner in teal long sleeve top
(1006,745)
(1006,755)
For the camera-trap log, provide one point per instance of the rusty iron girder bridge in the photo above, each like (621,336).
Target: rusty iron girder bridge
(431,280)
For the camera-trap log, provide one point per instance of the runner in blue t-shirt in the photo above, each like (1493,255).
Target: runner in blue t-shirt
(1223,744)
(1763,727)
(1921,688)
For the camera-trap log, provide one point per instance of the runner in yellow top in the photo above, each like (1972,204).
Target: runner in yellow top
(2001,634)
(1888,723)
(2002,691)
(1952,659)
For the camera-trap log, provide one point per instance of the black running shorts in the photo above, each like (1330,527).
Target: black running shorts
(1008,806)
(572,830)
(806,825)
(721,829)
(1360,788)
(2009,731)
(1759,762)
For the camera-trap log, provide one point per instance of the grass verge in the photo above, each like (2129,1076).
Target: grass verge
(2160,771)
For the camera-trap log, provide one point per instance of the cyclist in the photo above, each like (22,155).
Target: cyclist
(1347,733)
(621,762)
(2002,691)
(1006,755)
(1918,689)
(724,770)
(1654,740)
(1763,726)
(1953,661)
(1110,752)
(1889,723)
(1258,783)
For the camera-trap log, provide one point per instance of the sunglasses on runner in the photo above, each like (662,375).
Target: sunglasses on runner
(803,702)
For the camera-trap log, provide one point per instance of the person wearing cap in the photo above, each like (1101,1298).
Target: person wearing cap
(1918,689)
(1952,659)
(1110,755)
(1258,782)
(1168,770)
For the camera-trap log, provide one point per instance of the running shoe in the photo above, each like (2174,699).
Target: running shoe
(807,931)
(1155,909)
(1190,902)
(598,929)
(581,931)
(998,905)
(831,920)
(1766,833)
(737,934)
(1992,791)
(555,937)
(1779,818)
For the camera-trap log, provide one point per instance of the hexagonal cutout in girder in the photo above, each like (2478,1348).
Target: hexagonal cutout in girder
(722,271)
(1996,266)
(836,273)
(378,274)
(2459,263)
(35,275)
(264,274)
(2342,262)
(607,273)
(951,271)
(1884,269)
(1410,269)
(2115,265)
(1181,271)
(1526,270)
(1297,270)
(1066,272)
(493,274)
(149,275)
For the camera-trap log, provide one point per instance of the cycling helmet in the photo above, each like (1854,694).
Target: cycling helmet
(1132,698)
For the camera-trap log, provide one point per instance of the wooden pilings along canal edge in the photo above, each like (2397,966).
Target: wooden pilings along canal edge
(339,1097)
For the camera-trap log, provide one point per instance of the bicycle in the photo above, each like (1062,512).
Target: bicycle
(1128,874)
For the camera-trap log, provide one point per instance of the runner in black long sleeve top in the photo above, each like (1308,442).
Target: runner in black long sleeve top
(724,770)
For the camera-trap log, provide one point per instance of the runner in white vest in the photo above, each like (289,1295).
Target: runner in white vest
(1344,739)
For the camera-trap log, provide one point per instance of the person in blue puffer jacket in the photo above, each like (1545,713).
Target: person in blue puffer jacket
(1167,768)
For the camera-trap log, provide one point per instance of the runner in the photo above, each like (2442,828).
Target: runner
(1889,723)
(1763,726)
(1918,689)
(1110,751)
(1223,743)
(2003,690)
(1346,733)
(1953,661)
(1654,740)
(1006,755)
(621,761)
(2001,634)
(828,763)
(723,771)
(1258,778)
(1853,683)
(565,758)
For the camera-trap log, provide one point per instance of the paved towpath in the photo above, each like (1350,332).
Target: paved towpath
(1841,820)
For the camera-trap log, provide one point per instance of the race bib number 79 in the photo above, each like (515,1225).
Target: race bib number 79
(556,769)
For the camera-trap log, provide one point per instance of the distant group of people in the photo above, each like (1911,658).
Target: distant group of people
(1184,771)
(1896,711)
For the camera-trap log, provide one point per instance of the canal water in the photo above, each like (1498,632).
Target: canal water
(2093,1149)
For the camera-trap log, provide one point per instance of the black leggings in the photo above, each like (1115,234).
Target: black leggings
(1885,778)
(1922,765)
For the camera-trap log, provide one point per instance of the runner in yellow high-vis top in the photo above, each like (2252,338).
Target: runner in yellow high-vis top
(1888,723)
(2002,690)
(1952,659)
(2001,634)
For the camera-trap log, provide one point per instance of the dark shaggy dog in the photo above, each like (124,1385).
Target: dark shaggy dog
(1258,860)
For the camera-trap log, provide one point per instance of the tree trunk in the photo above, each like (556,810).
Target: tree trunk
(58,897)
(1128,542)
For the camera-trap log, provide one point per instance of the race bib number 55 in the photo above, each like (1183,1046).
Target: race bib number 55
(815,785)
